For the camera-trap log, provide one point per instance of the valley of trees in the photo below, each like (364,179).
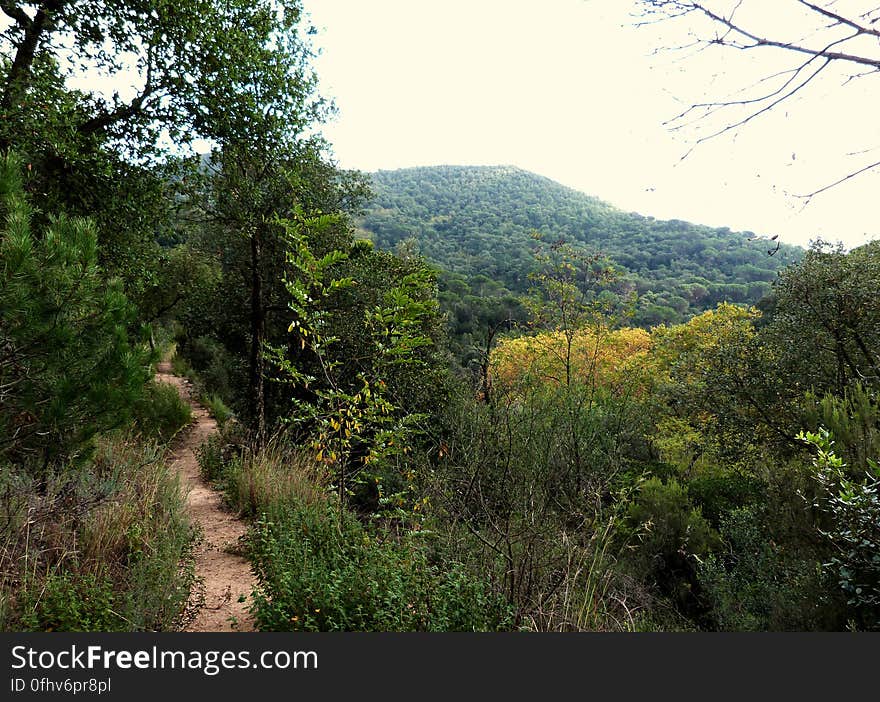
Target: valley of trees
(448,398)
(477,225)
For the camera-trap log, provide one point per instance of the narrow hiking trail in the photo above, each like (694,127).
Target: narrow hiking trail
(223,576)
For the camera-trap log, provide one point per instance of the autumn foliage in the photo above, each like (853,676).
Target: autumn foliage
(598,357)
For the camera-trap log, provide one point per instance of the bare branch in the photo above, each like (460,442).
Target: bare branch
(765,108)
(758,41)
(860,29)
(732,31)
(712,107)
(856,76)
(841,180)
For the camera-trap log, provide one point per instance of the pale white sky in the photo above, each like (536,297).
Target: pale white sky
(571,90)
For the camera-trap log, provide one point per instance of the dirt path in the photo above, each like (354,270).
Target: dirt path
(223,575)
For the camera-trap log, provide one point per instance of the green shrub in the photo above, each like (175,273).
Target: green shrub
(755,584)
(210,457)
(673,524)
(161,412)
(218,409)
(718,493)
(673,534)
(69,601)
(853,507)
(320,569)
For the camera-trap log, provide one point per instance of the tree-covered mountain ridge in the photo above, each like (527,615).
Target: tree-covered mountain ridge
(476,223)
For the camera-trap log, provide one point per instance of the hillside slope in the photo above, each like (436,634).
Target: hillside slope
(475,222)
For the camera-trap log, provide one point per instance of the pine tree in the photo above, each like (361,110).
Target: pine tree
(68,367)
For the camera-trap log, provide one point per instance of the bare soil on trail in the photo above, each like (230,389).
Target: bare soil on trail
(223,575)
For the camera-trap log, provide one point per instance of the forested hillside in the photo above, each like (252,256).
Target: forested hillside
(475,223)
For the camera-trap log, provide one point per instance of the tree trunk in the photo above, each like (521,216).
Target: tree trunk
(485,392)
(19,71)
(256,398)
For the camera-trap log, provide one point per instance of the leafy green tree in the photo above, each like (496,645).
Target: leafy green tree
(231,72)
(570,294)
(834,297)
(854,534)
(68,367)
(359,425)
(182,276)
(717,376)
(236,207)
(203,69)
(476,323)
(854,422)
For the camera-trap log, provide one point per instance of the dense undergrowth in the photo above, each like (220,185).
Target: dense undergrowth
(593,477)
(105,548)
(320,568)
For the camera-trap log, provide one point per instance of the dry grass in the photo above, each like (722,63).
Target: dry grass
(114,527)
(148,494)
(258,481)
